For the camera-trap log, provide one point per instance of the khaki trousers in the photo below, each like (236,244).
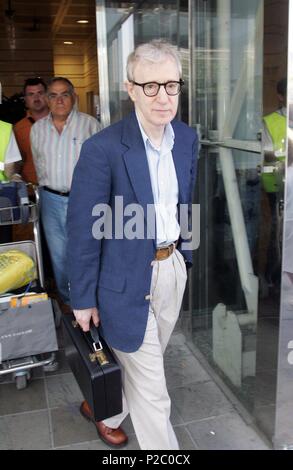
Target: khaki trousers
(144,385)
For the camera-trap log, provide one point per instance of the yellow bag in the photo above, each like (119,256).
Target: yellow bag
(16,270)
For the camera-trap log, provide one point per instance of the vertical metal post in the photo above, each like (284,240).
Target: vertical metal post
(192,60)
(284,430)
(101,26)
(188,314)
(248,280)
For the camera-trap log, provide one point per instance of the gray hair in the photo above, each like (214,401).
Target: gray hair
(62,79)
(154,51)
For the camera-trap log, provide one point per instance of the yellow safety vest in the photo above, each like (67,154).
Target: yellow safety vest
(5,133)
(277,127)
(271,178)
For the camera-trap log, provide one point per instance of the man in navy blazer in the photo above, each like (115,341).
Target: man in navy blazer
(127,248)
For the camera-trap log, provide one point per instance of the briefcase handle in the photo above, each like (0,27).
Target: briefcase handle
(96,338)
(99,353)
(94,334)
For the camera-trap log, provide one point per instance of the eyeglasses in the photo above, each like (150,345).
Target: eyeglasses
(64,96)
(172,88)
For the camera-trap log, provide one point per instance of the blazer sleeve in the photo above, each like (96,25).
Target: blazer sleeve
(90,186)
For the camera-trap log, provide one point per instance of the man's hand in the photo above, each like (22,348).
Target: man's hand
(83,317)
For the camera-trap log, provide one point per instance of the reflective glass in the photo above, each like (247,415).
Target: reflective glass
(128,24)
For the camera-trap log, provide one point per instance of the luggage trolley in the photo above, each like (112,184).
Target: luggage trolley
(27,211)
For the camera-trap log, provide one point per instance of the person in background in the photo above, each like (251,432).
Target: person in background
(275,125)
(34,91)
(274,140)
(10,167)
(56,142)
(134,285)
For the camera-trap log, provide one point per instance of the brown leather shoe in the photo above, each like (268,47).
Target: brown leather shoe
(112,437)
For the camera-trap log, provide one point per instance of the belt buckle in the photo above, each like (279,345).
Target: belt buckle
(165,252)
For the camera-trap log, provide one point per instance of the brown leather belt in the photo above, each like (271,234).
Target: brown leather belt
(165,252)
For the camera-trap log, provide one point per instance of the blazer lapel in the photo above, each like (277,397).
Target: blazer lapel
(137,165)
(182,167)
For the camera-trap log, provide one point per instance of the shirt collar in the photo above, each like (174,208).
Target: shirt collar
(68,120)
(168,138)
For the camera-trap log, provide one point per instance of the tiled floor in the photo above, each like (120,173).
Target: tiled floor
(46,415)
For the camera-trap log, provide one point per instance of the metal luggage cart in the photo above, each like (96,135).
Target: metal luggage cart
(27,212)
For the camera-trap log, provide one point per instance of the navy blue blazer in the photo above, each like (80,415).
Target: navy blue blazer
(114,274)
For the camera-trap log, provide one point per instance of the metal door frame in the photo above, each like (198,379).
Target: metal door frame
(283,438)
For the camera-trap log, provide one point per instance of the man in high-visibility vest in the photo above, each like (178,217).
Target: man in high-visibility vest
(274,140)
(10,158)
(10,164)
(275,125)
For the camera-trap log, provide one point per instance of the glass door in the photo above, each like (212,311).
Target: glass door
(226,92)
(225,104)
(232,316)
(284,429)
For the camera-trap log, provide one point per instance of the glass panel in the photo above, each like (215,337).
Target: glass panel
(226,84)
(234,292)
(284,429)
(129,24)
(215,277)
(228,45)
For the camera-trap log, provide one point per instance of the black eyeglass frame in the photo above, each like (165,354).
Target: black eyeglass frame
(180,83)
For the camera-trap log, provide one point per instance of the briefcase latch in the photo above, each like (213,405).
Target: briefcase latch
(99,354)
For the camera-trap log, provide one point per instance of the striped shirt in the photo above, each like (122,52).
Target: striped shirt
(55,155)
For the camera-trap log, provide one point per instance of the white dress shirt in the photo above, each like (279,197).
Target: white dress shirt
(164,186)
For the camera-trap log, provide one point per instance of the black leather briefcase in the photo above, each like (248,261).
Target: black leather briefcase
(95,369)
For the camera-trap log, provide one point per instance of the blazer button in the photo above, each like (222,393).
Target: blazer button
(147,297)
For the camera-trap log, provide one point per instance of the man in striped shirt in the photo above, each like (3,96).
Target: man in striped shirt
(56,141)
